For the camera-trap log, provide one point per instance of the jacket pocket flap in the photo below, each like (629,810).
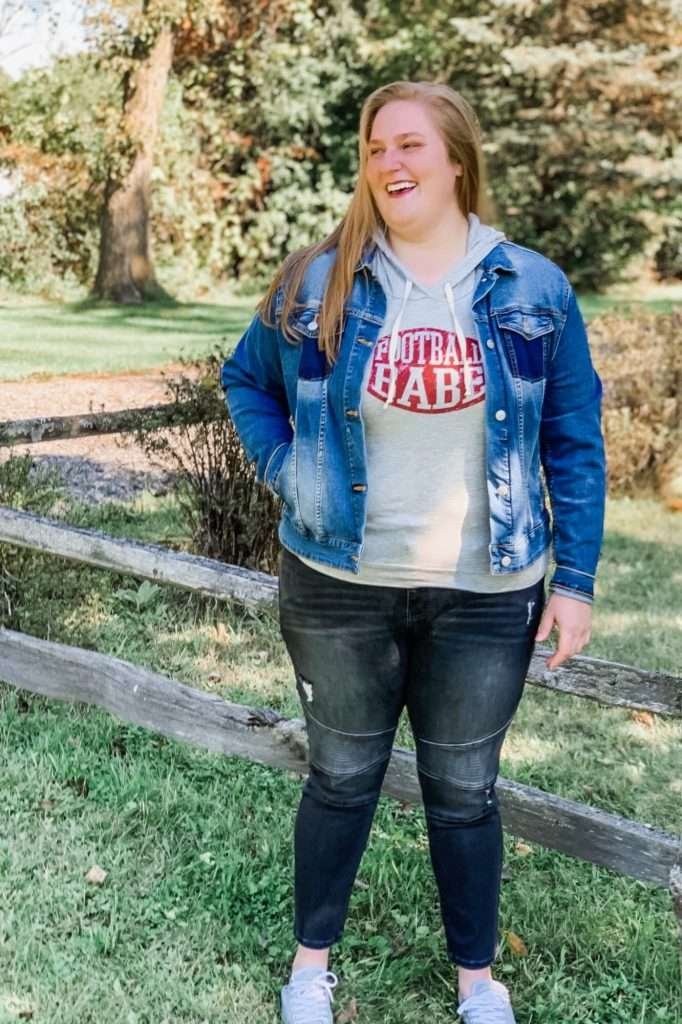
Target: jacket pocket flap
(305,321)
(530,325)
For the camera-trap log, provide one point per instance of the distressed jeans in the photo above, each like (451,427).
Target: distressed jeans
(458,661)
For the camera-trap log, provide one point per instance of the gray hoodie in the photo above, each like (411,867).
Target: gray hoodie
(423,409)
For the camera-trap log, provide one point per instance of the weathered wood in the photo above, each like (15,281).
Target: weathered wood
(610,683)
(606,682)
(148,699)
(121,421)
(148,561)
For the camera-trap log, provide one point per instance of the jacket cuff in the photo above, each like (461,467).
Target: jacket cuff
(577,595)
(575,582)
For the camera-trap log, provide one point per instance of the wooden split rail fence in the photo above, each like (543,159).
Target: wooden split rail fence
(173,709)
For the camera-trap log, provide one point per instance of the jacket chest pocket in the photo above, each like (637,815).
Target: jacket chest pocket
(526,338)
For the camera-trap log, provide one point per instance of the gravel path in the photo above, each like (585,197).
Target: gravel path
(94,469)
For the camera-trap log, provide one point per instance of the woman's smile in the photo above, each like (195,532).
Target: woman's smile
(400,188)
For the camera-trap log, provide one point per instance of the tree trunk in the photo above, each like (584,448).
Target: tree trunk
(125,273)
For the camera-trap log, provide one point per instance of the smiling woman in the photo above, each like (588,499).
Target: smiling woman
(405,387)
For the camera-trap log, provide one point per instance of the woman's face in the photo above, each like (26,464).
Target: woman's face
(406,149)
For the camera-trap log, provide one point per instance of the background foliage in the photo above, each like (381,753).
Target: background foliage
(580,109)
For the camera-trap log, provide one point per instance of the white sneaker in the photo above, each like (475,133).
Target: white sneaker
(308,997)
(487,1003)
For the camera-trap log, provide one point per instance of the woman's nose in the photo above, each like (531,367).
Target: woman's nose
(391,160)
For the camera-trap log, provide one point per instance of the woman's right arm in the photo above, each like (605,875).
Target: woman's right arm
(253,382)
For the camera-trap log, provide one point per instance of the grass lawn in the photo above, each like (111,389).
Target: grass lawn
(193,921)
(38,337)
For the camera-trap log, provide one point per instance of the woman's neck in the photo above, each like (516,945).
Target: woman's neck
(429,253)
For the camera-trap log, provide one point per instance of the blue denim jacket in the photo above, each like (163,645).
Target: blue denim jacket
(300,420)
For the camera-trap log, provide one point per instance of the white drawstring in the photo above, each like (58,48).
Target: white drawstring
(393,344)
(459,334)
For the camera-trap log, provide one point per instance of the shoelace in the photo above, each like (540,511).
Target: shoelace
(487,1007)
(313,996)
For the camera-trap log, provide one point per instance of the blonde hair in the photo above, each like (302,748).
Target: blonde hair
(460,131)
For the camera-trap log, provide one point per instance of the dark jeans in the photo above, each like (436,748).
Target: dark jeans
(458,661)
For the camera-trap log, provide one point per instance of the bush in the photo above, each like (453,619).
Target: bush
(668,258)
(230,516)
(640,362)
(29,488)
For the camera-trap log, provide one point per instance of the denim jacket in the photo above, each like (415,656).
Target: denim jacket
(300,420)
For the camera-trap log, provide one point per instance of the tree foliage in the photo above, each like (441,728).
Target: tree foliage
(580,106)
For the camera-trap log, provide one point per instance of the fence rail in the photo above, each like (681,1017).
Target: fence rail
(260,734)
(59,428)
(174,709)
(606,682)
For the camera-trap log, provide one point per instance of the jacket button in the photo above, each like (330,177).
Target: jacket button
(490,343)
(502,490)
(359,487)
(500,414)
(352,412)
(505,560)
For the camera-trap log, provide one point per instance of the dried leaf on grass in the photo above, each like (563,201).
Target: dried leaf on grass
(348,1013)
(516,944)
(16,1008)
(643,718)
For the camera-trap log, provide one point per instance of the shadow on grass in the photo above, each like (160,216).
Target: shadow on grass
(201,318)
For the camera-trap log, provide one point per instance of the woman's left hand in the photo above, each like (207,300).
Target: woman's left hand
(573,619)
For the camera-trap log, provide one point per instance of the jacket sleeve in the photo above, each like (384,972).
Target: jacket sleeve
(573,458)
(253,382)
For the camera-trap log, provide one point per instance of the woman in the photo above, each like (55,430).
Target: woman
(403,384)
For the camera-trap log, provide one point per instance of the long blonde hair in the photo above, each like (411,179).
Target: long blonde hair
(459,129)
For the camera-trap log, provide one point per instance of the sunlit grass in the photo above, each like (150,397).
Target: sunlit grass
(40,338)
(193,922)
(43,339)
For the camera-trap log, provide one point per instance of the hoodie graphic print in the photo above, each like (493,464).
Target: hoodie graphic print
(423,409)
(429,371)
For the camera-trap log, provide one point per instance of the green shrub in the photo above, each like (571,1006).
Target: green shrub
(229,515)
(668,258)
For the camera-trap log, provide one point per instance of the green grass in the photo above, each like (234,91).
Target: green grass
(620,301)
(193,921)
(38,337)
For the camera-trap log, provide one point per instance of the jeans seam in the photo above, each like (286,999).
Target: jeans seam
(472,743)
(340,732)
(455,782)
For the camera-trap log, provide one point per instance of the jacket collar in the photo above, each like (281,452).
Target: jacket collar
(496,259)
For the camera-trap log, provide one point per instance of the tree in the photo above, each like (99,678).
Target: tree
(191,29)
(125,272)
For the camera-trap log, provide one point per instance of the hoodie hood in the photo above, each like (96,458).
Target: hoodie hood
(458,282)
